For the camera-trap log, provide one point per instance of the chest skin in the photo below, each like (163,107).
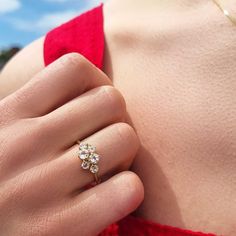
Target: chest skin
(178,76)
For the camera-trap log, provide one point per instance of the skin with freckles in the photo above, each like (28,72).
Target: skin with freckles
(174,62)
(42,186)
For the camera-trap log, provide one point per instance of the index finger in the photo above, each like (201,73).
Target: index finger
(60,82)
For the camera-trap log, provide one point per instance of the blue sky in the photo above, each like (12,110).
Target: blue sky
(22,21)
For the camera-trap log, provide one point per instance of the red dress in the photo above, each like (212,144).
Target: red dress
(85,35)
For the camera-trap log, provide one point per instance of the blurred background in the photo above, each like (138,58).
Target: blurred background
(22,21)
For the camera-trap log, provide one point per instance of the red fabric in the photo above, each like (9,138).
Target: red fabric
(132,226)
(85,35)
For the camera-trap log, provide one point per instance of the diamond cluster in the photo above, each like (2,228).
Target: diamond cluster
(89,157)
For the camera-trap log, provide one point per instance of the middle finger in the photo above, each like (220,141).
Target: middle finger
(82,117)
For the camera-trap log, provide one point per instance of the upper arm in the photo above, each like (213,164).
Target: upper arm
(21,68)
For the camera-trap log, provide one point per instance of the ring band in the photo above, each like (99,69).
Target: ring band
(225,12)
(90,159)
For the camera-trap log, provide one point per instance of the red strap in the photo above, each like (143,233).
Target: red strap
(83,35)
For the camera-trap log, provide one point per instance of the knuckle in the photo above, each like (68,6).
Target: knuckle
(131,179)
(134,184)
(75,60)
(41,122)
(127,134)
(127,138)
(132,190)
(115,100)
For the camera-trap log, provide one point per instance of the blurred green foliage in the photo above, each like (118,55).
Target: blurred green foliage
(7,54)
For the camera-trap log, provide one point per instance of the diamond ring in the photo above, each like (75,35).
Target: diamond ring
(89,157)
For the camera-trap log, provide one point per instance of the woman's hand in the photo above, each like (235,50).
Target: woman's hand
(41,180)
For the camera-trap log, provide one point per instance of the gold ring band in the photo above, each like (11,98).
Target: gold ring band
(89,157)
(225,11)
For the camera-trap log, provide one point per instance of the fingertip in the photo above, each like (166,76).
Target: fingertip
(128,133)
(110,201)
(131,191)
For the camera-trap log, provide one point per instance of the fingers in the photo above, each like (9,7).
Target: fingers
(93,210)
(83,116)
(85,214)
(62,81)
(116,145)
(56,132)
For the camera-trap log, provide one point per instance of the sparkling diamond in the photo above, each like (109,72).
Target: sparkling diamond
(83,154)
(94,158)
(91,148)
(85,165)
(86,146)
(94,169)
(83,146)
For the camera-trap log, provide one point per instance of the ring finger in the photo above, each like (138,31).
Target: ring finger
(116,145)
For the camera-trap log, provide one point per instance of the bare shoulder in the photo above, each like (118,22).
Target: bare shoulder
(22,67)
